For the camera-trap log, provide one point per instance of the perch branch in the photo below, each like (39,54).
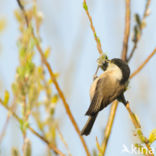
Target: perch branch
(109,126)
(138,126)
(124,57)
(115,104)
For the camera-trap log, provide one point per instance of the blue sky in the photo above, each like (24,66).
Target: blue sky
(66,30)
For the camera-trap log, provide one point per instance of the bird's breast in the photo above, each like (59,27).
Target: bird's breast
(93,88)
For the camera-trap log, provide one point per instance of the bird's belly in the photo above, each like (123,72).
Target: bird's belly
(115,91)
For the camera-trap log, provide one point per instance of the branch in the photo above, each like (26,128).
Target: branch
(124,57)
(145,14)
(143,64)
(66,106)
(51,146)
(63,141)
(7,120)
(138,126)
(93,28)
(24,12)
(127,30)
(115,104)
(52,76)
(109,126)
(4,129)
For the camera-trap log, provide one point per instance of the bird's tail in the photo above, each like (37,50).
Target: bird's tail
(89,124)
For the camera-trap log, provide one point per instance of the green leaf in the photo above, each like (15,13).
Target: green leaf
(152,136)
(21,124)
(47,53)
(6,97)
(55,98)
(140,135)
(26,125)
(137,18)
(85,6)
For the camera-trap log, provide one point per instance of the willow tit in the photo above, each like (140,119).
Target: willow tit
(110,85)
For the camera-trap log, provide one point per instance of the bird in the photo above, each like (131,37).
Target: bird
(106,88)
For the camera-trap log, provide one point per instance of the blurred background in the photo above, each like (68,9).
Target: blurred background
(66,30)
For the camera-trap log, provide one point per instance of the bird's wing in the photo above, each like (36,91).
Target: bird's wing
(106,91)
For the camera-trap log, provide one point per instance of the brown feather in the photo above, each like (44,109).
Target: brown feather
(106,90)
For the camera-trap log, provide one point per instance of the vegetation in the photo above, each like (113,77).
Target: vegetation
(32,82)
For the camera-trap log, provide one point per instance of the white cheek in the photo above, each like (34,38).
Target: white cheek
(115,71)
(117,74)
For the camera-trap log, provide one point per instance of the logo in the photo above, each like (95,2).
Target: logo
(134,150)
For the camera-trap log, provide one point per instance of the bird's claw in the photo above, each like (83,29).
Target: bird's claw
(94,77)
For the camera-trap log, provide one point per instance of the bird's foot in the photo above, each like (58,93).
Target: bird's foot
(95,77)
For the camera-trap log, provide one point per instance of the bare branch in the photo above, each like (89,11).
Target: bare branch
(64,141)
(115,104)
(109,126)
(145,14)
(127,30)
(124,57)
(93,28)
(24,12)
(143,64)
(66,106)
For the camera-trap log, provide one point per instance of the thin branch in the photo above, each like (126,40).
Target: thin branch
(109,126)
(7,121)
(66,106)
(133,50)
(127,30)
(146,9)
(24,12)
(124,57)
(143,64)
(64,141)
(133,118)
(145,14)
(115,104)
(93,28)
(51,146)
(5,127)
(138,126)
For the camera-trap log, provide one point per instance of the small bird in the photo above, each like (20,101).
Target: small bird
(110,85)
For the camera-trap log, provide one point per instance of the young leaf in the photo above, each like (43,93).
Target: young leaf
(6,97)
(152,136)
